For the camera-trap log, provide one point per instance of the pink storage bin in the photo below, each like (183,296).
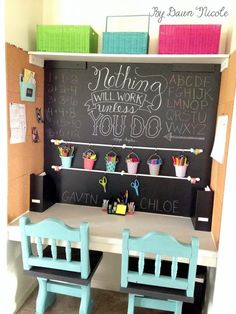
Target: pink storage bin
(189,39)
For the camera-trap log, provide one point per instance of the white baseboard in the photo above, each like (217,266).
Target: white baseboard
(24,296)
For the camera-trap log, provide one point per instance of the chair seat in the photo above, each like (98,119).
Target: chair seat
(66,276)
(155,291)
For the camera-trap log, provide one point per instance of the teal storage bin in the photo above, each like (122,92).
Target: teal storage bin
(125,42)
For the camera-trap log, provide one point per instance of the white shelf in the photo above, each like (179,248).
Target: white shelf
(38,58)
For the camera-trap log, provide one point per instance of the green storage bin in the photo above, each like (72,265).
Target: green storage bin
(125,42)
(66,38)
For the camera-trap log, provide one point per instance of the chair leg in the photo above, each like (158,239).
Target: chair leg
(86,301)
(44,298)
(131,304)
(178,307)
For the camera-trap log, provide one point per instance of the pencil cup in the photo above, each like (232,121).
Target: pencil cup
(66,161)
(132,166)
(132,161)
(111,160)
(88,163)
(180,171)
(154,162)
(111,166)
(89,157)
(154,169)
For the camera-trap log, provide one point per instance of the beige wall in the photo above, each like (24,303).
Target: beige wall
(95,12)
(23,16)
(232,35)
(21,20)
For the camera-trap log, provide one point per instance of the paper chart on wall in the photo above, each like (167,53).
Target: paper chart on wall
(218,150)
(17,123)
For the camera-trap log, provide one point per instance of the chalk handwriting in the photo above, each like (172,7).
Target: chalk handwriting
(188,99)
(198,12)
(79,197)
(118,99)
(154,205)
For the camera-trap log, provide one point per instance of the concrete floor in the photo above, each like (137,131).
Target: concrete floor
(105,302)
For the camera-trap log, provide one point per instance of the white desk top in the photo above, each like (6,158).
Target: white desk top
(106,230)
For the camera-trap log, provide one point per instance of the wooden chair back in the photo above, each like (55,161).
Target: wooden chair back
(159,246)
(55,233)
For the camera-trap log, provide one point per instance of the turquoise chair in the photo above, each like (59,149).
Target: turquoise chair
(59,269)
(153,276)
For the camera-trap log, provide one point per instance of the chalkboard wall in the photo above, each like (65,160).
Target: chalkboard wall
(151,105)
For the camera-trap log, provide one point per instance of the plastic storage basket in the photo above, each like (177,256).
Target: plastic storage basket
(67,38)
(189,39)
(125,42)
